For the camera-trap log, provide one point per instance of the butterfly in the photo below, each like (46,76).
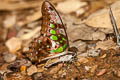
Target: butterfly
(53,40)
(116,31)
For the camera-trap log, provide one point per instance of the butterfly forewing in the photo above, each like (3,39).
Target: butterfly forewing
(53,29)
(53,39)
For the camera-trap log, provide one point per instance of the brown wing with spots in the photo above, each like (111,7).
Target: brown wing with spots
(53,28)
(53,39)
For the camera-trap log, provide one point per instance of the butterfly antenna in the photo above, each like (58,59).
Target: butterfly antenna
(116,32)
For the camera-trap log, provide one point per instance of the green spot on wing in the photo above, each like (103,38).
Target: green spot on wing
(53,37)
(58,50)
(52,31)
(64,46)
(61,41)
(63,38)
(52,25)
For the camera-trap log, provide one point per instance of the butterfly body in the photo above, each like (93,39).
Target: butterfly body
(53,40)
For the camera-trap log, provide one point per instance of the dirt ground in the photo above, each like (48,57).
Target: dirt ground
(89,29)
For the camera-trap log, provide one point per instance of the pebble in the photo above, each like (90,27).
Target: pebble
(13,44)
(16,76)
(70,4)
(101,19)
(105,45)
(93,69)
(3,34)
(103,56)
(92,45)
(87,68)
(81,46)
(16,65)
(94,52)
(84,32)
(80,11)
(98,35)
(9,57)
(31,70)
(3,68)
(9,21)
(37,76)
(30,34)
(116,73)
(101,72)
(83,60)
(35,16)
(56,69)
(82,55)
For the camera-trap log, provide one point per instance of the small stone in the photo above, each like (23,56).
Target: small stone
(116,73)
(31,70)
(101,19)
(92,45)
(30,34)
(3,68)
(70,4)
(9,21)
(87,68)
(81,46)
(17,76)
(9,57)
(16,65)
(13,44)
(37,76)
(98,35)
(93,52)
(80,11)
(35,16)
(93,68)
(3,34)
(40,67)
(103,56)
(105,45)
(82,55)
(84,32)
(56,69)
(103,71)
(23,68)
(83,60)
